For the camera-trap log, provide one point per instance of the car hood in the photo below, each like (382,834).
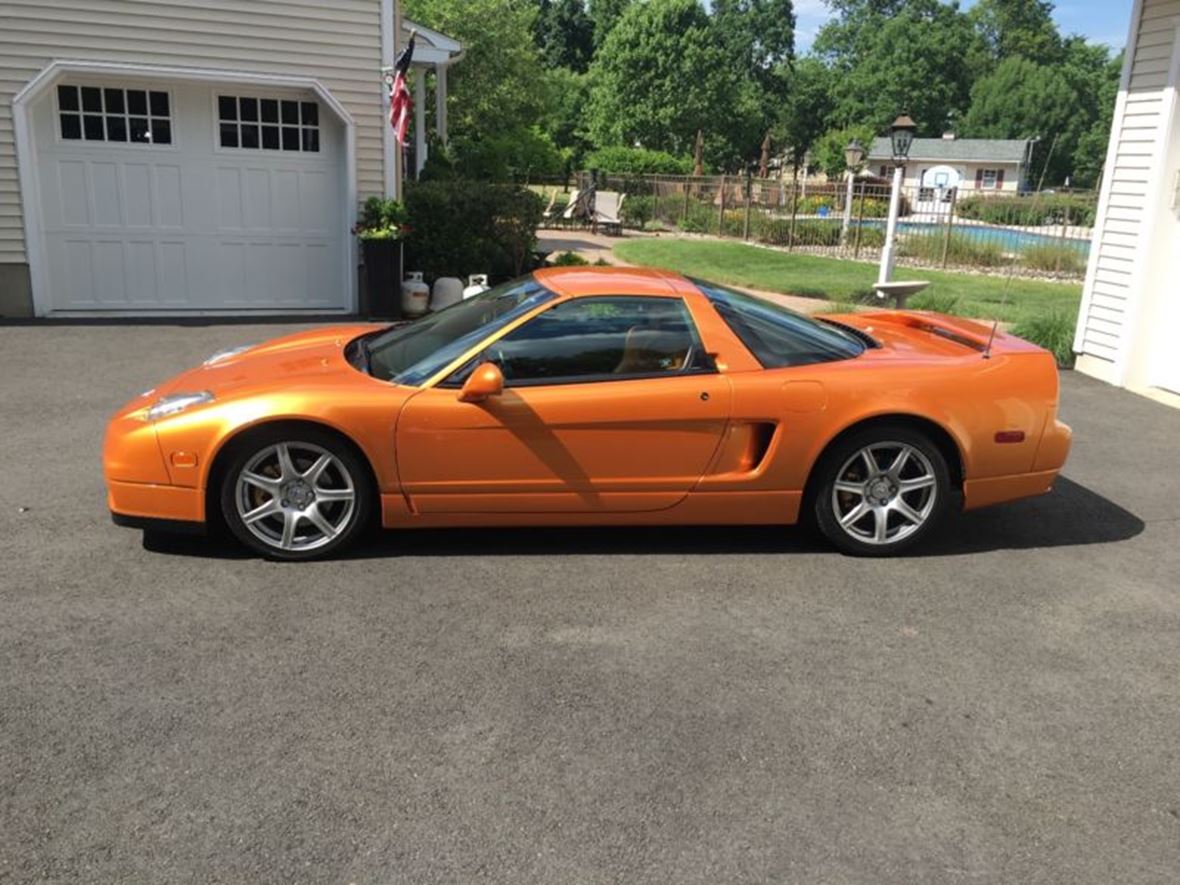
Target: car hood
(314,357)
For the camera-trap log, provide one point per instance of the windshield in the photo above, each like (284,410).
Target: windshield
(778,336)
(411,354)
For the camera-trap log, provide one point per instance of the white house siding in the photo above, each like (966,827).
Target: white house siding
(967,173)
(337,42)
(1133,169)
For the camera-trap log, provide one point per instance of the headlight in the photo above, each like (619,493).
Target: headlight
(177,402)
(226,354)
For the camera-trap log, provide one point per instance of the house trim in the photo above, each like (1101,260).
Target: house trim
(1101,211)
(1127,371)
(26,157)
(388,147)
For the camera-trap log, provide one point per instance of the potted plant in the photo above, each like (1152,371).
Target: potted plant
(380,228)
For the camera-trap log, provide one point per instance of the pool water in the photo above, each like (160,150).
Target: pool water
(1006,239)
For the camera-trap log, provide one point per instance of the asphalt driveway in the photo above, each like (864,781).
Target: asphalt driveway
(673,706)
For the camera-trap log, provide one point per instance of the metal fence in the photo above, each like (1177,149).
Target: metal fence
(1045,234)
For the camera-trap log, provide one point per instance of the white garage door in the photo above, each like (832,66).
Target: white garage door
(185,197)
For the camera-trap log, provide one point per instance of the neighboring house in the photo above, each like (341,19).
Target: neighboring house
(984,165)
(188,157)
(1129,322)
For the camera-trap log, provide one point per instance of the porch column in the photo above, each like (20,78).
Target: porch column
(440,101)
(419,120)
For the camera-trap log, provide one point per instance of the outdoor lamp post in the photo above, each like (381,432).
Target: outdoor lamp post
(854,155)
(901,137)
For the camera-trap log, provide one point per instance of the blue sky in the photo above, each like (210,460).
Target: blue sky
(1103,21)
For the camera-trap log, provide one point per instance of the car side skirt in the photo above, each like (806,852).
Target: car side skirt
(697,508)
(1001,489)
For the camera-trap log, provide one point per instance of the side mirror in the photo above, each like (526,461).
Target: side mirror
(487,380)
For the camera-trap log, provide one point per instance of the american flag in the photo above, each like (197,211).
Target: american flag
(400,102)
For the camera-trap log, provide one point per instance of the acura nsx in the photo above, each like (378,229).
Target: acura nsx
(604,396)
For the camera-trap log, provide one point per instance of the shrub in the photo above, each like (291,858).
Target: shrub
(874,207)
(568,259)
(637,161)
(520,153)
(871,237)
(961,249)
(1053,331)
(1054,257)
(1030,209)
(808,232)
(700,219)
(637,211)
(461,227)
(380,219)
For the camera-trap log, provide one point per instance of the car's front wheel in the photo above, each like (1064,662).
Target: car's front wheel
(300,494)
(881,490)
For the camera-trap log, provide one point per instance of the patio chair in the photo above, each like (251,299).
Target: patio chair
(548,214)
(608,208)
(573,208)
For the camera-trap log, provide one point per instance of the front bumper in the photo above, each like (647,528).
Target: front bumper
(141,500)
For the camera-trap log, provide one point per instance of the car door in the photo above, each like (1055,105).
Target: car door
(610,405)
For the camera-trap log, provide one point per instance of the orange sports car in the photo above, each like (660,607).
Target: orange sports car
(595,397)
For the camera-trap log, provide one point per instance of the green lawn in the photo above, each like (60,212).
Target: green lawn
(1013,300)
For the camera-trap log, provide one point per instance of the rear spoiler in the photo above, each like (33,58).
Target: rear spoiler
(967,333)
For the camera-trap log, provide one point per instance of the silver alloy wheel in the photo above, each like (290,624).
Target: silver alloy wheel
(295,496)
(884,492)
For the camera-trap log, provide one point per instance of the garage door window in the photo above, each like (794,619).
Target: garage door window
(268,124)
(94,113)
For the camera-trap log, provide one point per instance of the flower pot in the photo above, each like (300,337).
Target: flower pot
(381,296)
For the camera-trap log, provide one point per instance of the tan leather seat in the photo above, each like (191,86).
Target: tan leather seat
(648,351)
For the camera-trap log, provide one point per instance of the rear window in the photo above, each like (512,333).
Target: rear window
(779,337)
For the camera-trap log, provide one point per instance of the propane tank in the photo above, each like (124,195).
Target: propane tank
(447,291)
(415,295)
(476,283)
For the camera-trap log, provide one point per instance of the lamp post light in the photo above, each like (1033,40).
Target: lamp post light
(854,155)
(901,137)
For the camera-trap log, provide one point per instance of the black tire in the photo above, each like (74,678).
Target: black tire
(881,492)
(293,497)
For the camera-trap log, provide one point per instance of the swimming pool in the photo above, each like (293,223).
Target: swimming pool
(1007,239)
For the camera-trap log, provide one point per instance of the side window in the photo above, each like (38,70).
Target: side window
(268,124)
(115,115)
(601,339)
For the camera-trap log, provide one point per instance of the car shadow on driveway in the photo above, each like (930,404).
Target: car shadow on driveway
(1070,515)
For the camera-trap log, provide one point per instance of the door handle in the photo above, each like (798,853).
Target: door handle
(704,396)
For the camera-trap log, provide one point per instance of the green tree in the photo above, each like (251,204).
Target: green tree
(807,106)
(661,75)
(1022,99)
(565,117)
(605,14)
(758,35)
(1090,154)
(565,34)
(498,86)
(828,152)
(915,60)
(1018,27)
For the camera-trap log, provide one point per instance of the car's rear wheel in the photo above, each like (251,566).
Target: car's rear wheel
(881,490)
(296,494)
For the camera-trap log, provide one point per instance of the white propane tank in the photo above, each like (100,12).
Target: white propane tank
(415,295)
(447,291)
(476,283)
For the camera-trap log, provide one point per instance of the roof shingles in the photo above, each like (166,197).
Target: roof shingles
(960,150)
